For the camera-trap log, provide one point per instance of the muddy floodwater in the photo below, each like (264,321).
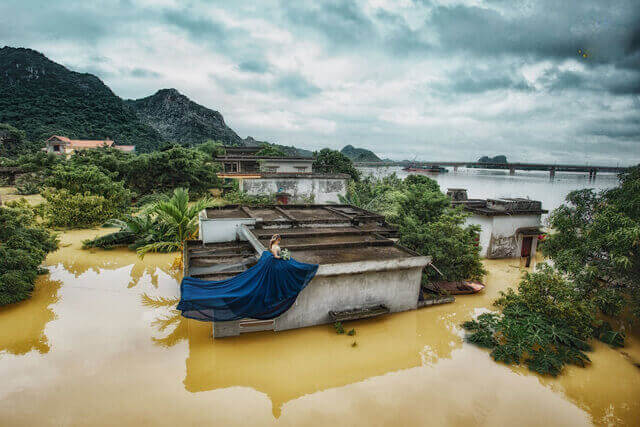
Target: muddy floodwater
(99,344)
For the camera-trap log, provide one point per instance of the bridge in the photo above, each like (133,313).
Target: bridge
(512,167)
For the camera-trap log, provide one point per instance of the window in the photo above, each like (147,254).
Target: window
(271,168)
(56,148)
(302,169)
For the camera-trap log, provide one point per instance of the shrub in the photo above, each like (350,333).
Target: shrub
(29,183)
(544,325)
(23,247)
(64,209)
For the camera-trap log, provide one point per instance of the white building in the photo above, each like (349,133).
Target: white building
(63,145)
(510,226)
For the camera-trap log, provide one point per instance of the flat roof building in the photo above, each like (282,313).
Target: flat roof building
(509,226)
(363,272)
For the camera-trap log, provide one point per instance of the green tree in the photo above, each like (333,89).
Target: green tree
(427,223)
(176,167)
(83,195)
(13,142)
(332,161)
(180,219)
(269,150)
(596,242)
(545,324)
(23,247)
(212,148)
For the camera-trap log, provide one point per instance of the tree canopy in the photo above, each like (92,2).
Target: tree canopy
(427,223)
(23,247)
(332,161)
(596,242)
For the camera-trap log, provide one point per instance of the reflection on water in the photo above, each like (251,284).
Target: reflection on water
(22,328)
(486,183)
(90,349)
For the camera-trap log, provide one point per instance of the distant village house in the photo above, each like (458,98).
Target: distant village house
(63,145)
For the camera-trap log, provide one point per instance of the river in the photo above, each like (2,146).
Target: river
(488,183)
(99,344)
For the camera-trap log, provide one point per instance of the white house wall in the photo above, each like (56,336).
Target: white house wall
(486,225)
(498,238)
(323,190)
(287,166)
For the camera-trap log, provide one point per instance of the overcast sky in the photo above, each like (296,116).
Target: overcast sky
(536,80)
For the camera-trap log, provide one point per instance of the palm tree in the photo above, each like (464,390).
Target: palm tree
(180,218)
(134,231)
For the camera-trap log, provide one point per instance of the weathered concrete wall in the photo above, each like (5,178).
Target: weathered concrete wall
(324,190)
(486,225)
(301,166)
(221,229)
(498,238)
(396,289)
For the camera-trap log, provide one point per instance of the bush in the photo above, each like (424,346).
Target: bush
(23,247)
(545,325)
(83,196)
(29,183)
(64,209)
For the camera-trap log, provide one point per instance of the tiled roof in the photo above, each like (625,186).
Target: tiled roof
(83,143)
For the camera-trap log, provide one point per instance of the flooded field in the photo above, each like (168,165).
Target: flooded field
(99,344)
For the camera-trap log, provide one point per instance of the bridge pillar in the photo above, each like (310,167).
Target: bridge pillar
(455,169)
(592,174)
(552,173)
(512,171)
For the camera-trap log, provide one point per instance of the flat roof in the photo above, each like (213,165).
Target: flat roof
(318,234)
(479,206)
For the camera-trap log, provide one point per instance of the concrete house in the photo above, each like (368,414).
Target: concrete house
(510,226)
(363,272)
(292,177)
(63,145)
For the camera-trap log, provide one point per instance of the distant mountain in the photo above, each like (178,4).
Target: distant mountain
(359,154)
(177,118)
(43,98)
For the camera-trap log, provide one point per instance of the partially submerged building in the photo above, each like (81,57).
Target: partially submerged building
(293,176)
(363,272)
(510,226)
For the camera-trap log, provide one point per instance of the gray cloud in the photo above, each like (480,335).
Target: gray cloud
(428,78)
(254,66)
(297,86)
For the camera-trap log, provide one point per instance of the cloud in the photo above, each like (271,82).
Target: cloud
(254,66)
(297,86)
(437,79)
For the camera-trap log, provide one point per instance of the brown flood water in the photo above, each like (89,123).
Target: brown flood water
(99,344)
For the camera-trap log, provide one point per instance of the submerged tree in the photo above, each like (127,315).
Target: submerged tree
(545,325)
(427,223)
(596,242)
(23,247)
